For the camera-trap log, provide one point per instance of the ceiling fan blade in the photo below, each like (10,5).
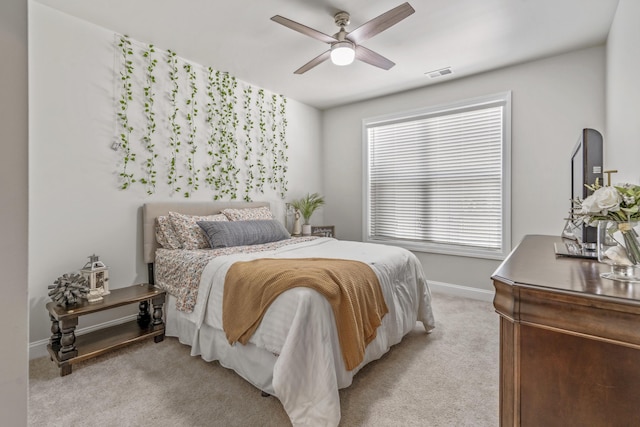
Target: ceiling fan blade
(370,57)
(381,23)
(307,31)
(315,61)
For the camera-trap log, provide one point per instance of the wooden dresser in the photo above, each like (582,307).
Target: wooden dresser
(569,340)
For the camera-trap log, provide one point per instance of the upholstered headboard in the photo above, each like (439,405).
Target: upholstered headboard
(150,211)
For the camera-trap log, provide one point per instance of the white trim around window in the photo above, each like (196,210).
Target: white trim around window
(438,179)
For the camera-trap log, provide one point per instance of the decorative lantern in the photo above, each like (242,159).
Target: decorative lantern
(97,275)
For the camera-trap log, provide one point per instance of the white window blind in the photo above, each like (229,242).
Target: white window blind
(436,179)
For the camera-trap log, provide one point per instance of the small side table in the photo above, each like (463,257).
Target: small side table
(66,349)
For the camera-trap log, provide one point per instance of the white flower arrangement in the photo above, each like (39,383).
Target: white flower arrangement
(614,203)
(619,204)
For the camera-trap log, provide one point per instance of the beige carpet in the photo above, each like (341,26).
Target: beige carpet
(446,378)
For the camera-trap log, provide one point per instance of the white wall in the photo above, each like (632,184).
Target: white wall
(76,208)
(622,150)
(552,100)
(13,211)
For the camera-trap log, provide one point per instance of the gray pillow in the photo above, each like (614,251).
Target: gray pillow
(223,234)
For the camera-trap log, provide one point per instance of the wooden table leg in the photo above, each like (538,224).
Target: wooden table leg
(56,335)
(68,348)
(144,318)
(158,302)
(65,369)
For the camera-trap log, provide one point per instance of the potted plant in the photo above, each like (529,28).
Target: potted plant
(306,206)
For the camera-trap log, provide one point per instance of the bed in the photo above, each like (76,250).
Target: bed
(294,353)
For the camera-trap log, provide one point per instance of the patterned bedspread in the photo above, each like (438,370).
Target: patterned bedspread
(178,271)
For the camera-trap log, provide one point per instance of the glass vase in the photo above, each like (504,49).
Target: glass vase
(619,246)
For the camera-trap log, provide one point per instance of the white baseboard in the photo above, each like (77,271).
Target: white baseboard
(461,291)
(39,348)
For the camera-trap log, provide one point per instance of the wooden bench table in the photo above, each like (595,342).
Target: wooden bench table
(66,349)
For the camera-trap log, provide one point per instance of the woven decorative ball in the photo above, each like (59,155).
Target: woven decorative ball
(68,289)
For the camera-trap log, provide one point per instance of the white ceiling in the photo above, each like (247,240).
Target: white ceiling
(470,36)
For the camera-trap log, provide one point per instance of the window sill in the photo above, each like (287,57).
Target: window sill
(444,249)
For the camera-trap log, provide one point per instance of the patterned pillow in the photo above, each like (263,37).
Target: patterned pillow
(165,235)
(248,214)
(190,235)
(243,233)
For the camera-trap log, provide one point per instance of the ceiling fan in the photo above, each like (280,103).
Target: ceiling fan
(345,46)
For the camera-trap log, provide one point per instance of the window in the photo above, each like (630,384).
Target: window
(438,179)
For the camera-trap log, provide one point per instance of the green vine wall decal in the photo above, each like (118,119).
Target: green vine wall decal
(283,146)
(191,114)
(219,135)
(272,139)
(213,120)
(174,139)
(224,170)
(248,127)
(126,97)
(149,179)
(262,143)
(228,129)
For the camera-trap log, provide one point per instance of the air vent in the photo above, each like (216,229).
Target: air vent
(439,73)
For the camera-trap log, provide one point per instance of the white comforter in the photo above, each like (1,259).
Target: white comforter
(299,326)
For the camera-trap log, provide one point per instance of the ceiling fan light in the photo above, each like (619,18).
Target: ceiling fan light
(342,53)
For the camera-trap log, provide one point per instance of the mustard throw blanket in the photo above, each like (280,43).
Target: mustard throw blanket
(351,287)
